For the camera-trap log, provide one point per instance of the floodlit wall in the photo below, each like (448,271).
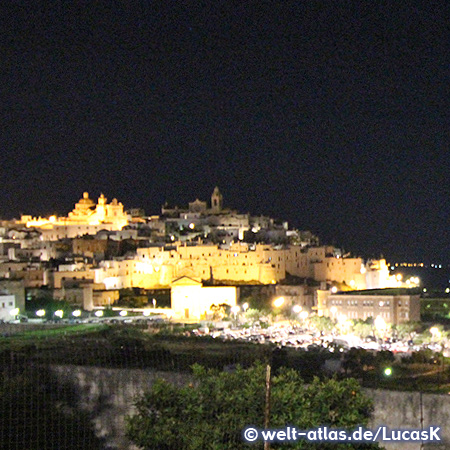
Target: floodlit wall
(157,267)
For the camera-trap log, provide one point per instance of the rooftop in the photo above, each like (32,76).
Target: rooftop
(388,291)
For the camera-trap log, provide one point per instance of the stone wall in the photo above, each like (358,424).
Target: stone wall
(108,395)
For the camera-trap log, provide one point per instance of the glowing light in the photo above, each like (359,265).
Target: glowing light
(235,309)
(111,282)
(304,315)
(333,310)
(363,270)
(123,313)
(146,313)
(342,318)
(388,371)
(76,313)
(192,226)
(278,302)
(52,219)
(297,309)
(352,283)
(99,313)
(14,311)
(435,332)
(40,312)
(59,313)
(399,277)
(334,289)
(380,323)
(245,307)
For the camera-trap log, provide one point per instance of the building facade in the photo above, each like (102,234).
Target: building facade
(87,217)
(393,309)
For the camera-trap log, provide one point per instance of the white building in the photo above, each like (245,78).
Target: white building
(7,304)
(191,300)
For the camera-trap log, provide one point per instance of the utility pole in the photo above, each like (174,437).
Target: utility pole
(267,405)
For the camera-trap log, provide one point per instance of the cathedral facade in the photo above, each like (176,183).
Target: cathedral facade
(87,217)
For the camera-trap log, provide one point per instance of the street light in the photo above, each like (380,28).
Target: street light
(98,313)
(146,313)
(436,333)
(304,315)
(380,323)
(297,309)
(76,313)
(40,312)
(154,302)
(59,313)
(245,307)
(278,302)
(14,312)
(123,313)
(235,309)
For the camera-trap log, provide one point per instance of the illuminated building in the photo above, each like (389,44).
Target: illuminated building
(86,218)
(390,306)
(191,300)
(156,267)
(7,305)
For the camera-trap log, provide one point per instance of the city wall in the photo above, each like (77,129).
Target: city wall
(108,395)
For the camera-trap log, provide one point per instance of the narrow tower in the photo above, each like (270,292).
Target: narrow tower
(216,201)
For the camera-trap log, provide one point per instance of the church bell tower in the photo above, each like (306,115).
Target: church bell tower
(216,201)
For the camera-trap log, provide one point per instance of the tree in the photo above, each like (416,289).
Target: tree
(211,412)
(39,412)
(254,315)
(362,329)
(321,323)
(407,330)
(357,361)
(219,311)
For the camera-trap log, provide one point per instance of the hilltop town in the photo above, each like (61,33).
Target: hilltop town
(203,254)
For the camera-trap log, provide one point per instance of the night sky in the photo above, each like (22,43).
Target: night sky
(332,115)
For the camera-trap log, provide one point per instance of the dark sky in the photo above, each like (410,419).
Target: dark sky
(333,115)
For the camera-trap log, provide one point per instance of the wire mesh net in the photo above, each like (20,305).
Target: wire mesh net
(72,387)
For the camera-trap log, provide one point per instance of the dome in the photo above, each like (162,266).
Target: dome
(86,200)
